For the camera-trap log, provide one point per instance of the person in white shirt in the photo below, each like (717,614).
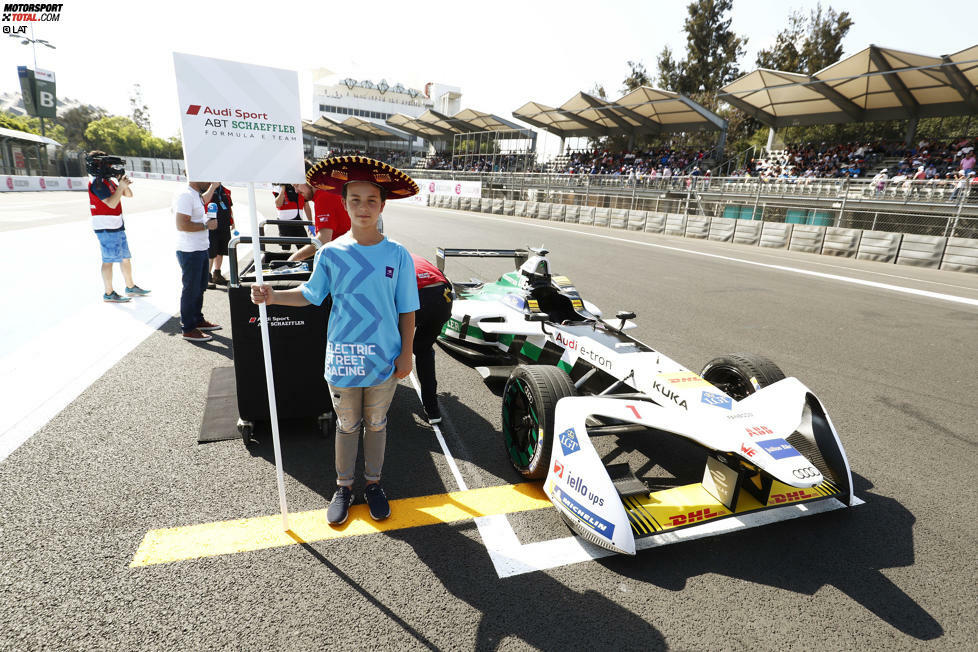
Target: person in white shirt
(193,241)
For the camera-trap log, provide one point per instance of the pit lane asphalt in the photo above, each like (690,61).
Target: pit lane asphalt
(896,372)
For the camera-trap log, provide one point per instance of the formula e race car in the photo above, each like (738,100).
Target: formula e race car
(771,451)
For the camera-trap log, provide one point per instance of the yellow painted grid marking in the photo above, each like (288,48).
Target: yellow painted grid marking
(259,533)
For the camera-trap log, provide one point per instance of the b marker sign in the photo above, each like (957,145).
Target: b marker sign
(240,122)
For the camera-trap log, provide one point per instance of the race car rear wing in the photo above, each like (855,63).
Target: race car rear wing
(520,256)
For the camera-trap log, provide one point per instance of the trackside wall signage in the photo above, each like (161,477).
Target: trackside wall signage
(240,122)
(472,189)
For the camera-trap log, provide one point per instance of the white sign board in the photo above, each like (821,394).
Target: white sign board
(240,122)
(427,187)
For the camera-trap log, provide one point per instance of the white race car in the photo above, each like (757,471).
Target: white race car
(771,451)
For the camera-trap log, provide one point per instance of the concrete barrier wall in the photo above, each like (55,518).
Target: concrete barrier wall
(921,250)
(961,255)
(775,235)
(697,226)
(953,254)
(619,218)
(807,238)
(722,229)
(675,224)
(601,216)
(841,242)
(636,220)
(879,245)
(747,232)
(655,222)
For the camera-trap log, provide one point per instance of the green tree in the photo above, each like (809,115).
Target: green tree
(140,112)
(809,44)
(638,76)
(32,126)
(75,121)
(116,135)
(712,50)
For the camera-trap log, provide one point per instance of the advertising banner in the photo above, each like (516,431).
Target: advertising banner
(240,122)
(27,91)
(445,187)
(46,100)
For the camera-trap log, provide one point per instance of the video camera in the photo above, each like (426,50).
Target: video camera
(290,192)
(103,165)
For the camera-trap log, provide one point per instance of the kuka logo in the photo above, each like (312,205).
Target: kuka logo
(694,516)
(790,497)
(194,109)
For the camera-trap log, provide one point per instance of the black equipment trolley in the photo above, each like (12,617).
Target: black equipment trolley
(297,336)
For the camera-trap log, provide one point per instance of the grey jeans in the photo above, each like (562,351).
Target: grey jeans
(353,406)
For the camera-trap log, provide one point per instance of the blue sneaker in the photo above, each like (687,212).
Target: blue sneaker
(339,507)
(136,291)
(114,297)
(377,502)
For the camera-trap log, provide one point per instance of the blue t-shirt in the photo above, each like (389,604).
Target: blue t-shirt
(371,287)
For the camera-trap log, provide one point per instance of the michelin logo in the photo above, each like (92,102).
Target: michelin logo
(590,519)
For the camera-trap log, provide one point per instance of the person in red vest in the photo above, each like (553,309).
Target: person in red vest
(291,205)
(435,297)
(105,200)
(331,219)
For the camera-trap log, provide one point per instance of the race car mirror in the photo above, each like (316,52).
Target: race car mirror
(624,316)
(537,316)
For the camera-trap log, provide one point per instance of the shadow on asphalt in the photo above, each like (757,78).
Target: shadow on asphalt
(221,344)
(846,549)
(537,609)
(409,469)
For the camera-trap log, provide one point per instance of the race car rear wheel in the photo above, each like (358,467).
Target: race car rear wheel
(741,374)
(529,401)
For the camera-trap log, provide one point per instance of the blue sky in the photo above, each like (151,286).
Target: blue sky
(501,54)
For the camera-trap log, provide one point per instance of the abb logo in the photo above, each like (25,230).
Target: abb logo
(747,450)
(558,469)
(790,497)
(758,431)
(693,517)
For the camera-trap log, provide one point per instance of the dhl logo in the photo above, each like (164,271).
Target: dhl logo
(790,497)
(694,516)
(684,379)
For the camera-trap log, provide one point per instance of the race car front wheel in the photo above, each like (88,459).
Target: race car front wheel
(741,374)
(529,401)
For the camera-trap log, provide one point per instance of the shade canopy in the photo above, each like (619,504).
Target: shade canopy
(873,84)
(432,125)
(644,110)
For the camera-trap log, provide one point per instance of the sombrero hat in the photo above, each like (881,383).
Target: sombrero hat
(332,174)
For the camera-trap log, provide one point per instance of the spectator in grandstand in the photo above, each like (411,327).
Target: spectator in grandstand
(220,236)
(879,182)
(105,202)
(968,162)
(192,248)
(960,185)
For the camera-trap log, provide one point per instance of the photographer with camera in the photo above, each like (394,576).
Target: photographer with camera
(291,205)
(105,200)
(193,242)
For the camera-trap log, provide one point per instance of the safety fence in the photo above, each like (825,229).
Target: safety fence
(937,251)
(947,209)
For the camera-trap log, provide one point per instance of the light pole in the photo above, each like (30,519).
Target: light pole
(33,43)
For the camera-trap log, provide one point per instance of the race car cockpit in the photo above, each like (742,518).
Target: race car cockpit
(553,295)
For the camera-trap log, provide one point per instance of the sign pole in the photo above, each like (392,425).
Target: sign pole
(267,353)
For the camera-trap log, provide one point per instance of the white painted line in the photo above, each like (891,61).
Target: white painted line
(784,268)
(441,442)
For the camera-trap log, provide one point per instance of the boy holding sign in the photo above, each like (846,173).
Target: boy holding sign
(371,326)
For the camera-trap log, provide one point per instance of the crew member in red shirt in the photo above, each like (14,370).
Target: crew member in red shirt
(331,220)
(435,296)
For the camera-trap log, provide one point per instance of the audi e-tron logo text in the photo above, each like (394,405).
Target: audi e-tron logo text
(807,472)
